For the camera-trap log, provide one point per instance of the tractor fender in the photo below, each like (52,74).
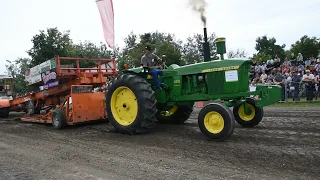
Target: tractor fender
(134,70)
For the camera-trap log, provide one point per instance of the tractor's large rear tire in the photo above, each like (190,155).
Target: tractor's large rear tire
(175,115)
(4,112)
(251,119)
(216,121)
(131,104)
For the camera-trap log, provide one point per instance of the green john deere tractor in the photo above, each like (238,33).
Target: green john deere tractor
(133,106)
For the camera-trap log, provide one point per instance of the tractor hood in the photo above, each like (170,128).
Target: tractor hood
(203,67)
(210,66)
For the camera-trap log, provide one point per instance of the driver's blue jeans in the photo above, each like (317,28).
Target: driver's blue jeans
(155,73)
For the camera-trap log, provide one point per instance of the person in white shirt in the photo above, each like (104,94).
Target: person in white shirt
(257,68)
(263,67)
(263,77)
(299,57)
(308,79)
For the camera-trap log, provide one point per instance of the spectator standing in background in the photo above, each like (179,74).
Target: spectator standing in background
(263,77)
(294,68)
(317,66)
(286,66)
(308,79)
(295,85)
(254,63)
(312,70)
(257,68)
(300,68)
(263,67)
(293,59)
(307,62)
(256,79)
(279,79)
(300,58)
(276,63)
(288,80)
(317,82)
(313,60)
(285,69)
(269,67)
(286,62)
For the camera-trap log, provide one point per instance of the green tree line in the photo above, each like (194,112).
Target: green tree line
(52,42)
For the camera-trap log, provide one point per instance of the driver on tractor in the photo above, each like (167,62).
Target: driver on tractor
(150,60)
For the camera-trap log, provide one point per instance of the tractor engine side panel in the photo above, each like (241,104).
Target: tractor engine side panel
(189,84)
(229,81)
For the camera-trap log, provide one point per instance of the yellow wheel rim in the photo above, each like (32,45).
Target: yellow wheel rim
(124,106)
(170,112)
(151,77)
(243,115)
(214,122)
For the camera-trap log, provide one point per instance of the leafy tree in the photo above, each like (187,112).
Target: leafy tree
(48,44)
(130,42)
(122,60)
(161,43)
(261,57)
(308,46)
(192,51)
(17,69)
(237,54)
(269,47)
(88,49)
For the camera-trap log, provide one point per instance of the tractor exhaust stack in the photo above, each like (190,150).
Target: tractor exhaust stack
(206,47)
(205,35)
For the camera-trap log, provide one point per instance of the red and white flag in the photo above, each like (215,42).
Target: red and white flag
(107,17)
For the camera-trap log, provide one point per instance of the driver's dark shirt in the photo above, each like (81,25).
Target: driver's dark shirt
(149,60)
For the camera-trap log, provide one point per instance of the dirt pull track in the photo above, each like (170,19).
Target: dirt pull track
(286,145)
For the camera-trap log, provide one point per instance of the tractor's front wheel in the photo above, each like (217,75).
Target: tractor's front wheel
(248,116)
(175,115)
(131,104)
(216,121)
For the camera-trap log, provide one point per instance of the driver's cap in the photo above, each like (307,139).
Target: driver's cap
(148,48)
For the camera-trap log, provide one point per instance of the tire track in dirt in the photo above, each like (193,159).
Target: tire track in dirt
(278,148)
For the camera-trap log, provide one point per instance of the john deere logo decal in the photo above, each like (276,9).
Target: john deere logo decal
(221,69)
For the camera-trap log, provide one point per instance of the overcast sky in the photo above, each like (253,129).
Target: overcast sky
(239,21)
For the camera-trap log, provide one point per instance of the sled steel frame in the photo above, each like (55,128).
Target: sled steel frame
(77,76)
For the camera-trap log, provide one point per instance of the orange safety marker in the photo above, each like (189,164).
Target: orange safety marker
(200,104)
